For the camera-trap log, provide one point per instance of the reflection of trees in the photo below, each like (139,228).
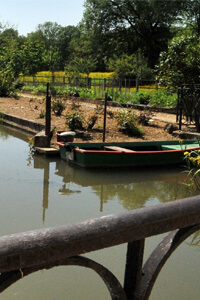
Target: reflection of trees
(4,135)
(173,190)
(195,241)
(67,191)
(135,195)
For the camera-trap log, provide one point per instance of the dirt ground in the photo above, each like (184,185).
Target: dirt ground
(33,107)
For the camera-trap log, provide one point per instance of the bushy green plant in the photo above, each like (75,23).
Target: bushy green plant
(75,120)
(8,86)
(125,97)
(127,123)
(144,118)
(164,99)
(92,121)
(86,93)
(58,107)
(143,98)
(180,64)
(42,114)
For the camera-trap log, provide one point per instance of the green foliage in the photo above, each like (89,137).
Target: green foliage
(144,118)
(42,114)
(92,121)
(123,67)
(126,26)
(143,98)
(56,40)
(32,57)
(8,86)
(129,66)
(58,107)
(80,65)
(166,99)
(192,159)
(181,63)
(127,123)
(157,98)
(75,120)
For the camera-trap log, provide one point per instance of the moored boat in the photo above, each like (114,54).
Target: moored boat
(126,154)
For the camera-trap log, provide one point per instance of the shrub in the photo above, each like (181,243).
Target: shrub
(127,123)
(42,114)
(8,87)
(144,118)
(92,121)
(143,98)
(75,120)
(58,107)
(164,99)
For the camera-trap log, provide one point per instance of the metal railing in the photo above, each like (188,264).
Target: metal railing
(24,253)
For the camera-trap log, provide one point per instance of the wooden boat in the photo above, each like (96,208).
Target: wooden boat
(124,154)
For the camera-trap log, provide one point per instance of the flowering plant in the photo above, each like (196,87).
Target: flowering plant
(193,163)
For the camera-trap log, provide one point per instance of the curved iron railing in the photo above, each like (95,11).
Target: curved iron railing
(24,253)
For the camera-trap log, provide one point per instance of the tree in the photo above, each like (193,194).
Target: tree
(32,57)
(146,22)
(129,66)
(64,38)
(10,67)
(180,64)
(82,59)
(56,40)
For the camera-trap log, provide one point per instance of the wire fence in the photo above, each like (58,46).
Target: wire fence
(92,83)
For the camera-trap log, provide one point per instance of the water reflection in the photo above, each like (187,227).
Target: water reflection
(195,240)
(42,163)
(6,132)
(131,188)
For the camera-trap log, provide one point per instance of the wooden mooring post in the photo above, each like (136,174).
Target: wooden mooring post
(48,116)
(104,119)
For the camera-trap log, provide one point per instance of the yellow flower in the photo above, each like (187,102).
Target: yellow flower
(186,153)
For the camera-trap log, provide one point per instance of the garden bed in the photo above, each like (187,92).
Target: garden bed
(33,108)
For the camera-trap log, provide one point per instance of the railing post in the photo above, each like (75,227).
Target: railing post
(133,271)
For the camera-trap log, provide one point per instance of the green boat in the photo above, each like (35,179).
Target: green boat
(130,154)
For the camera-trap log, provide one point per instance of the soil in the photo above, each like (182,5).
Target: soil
(33,107)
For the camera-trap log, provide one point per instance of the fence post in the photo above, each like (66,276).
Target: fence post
(104,84)
(89,82)
(120,84)
(137,84)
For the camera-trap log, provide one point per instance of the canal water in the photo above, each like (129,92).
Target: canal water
(38,192)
